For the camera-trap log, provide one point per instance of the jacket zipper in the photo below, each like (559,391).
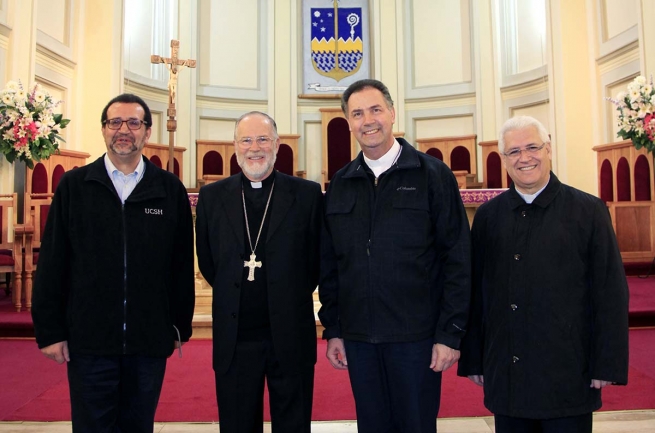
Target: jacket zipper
(368,253)
(124,280)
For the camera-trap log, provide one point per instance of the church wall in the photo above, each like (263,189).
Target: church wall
(215,129)
(99,70)
(441,63)
(231,51)
(54,20)
(138,43)
(6,172)
(572,72)
(454,68)
(617,58)
(437,69)
(449,126)
(282,60)
(617,16)
(530,31)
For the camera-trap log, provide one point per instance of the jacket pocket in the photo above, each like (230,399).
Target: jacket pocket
(339,207)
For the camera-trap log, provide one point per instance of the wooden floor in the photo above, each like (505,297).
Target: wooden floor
(604,422)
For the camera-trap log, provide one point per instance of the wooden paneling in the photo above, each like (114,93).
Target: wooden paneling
(633,224)
(161,152)
(448,145)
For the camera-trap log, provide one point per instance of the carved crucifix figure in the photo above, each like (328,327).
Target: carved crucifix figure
(252,264)
(172,63)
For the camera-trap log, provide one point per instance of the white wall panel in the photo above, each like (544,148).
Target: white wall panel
(447,60)
(449,126)
(539,111)
(52,19)
(618,16)
(232,54)
(3,12)
(438,48)
(138,37)
(229,44)
(216,129)
(54,26)
(531,35)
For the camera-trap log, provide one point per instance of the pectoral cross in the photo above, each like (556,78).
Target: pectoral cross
(172,63)
(252,264)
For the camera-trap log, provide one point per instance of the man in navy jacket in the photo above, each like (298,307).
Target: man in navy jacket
(395,270)
(114,287)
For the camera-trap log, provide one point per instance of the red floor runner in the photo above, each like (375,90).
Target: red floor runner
(34,388)
(642,309)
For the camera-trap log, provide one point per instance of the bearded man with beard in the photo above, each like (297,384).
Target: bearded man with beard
(257,238)
(114,287)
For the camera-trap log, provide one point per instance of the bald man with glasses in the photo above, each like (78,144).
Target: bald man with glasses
(257,237)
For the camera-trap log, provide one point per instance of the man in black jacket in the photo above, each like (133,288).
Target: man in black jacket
(549,317)
(114,287)
(395,270)
(257,236)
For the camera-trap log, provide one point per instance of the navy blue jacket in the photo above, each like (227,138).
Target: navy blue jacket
(395,263)
(115,279)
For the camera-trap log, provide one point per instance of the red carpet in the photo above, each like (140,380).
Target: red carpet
(642,309)
(35,388)
(642,301)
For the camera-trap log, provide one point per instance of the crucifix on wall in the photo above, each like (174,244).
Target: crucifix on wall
(172,63)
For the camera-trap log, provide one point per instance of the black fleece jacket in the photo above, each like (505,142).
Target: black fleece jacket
(113,278)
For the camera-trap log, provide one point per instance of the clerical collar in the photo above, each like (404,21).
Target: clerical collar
(529,198)
(384,163)
(257,185)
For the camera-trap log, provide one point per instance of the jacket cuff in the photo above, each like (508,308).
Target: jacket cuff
(449,340)
(331,332)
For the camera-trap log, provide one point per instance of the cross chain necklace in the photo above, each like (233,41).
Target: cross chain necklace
(252,263)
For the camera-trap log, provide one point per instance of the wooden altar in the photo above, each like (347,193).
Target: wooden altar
(625,184)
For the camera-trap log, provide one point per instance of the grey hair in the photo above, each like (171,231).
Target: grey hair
(256,113)
(521,122)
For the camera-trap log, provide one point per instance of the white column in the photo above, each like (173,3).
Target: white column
(187,85)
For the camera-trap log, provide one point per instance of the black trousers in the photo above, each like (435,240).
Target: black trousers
(240,392)
(570,424)
(395,391)
(114,394)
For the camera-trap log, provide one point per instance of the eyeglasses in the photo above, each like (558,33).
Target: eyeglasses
(117,123)
(262,141)
(530,150)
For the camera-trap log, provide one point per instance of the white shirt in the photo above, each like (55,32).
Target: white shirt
(529,198)
(124,183)
(384,163)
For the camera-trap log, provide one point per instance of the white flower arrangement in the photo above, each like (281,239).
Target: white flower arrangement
(636,113)
(29,127)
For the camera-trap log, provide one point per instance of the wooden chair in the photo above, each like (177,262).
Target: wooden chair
(38,206)
(11,246)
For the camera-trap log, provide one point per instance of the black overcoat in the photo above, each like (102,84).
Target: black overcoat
(549,305)
(292,255)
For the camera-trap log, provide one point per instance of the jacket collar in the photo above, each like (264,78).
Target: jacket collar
(150,185)
(543,199)
(283,198)
(408,159)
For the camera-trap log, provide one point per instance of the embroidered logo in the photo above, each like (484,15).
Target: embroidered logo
(155,211)
(406,188)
